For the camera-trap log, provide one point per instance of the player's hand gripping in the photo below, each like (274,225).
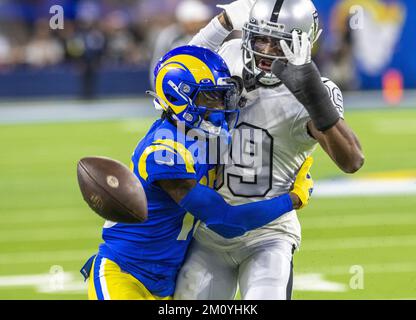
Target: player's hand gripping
(237,12)
(303,186)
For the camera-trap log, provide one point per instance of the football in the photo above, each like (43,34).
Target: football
(112,190)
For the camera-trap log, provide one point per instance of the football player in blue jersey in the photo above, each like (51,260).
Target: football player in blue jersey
(199,98)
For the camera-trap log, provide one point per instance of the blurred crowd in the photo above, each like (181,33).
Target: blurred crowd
(113,32)
(137,33)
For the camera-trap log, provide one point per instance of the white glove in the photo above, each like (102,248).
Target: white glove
(238,12)
(302,52)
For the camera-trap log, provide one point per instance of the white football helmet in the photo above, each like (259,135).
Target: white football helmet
(275,20)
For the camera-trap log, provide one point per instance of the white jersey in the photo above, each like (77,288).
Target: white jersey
(285,144)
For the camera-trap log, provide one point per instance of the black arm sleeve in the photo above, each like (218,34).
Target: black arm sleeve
(305,83)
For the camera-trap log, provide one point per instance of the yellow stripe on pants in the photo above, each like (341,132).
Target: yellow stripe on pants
(118,284)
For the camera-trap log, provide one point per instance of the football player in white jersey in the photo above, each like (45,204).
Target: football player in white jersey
(294,110)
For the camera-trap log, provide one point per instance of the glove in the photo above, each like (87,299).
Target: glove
(238,12)
(303,186)
(302,51)
(301,76)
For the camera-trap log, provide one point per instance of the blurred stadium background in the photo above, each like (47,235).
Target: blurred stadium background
(78,91)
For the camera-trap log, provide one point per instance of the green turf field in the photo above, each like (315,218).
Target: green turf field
(45,223)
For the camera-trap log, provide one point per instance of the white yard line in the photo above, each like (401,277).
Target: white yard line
(364,187)
(316,282)
(307,280)
(30,280)
(62,282)
(68,282)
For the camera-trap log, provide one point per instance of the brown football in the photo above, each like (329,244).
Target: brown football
(112,190)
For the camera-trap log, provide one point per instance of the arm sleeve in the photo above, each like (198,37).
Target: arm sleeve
(233,221)
(299,129)
(336,96)
(211,36)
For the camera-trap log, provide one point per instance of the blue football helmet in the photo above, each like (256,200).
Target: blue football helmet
(193,85)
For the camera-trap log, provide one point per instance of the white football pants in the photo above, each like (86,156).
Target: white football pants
(262,272)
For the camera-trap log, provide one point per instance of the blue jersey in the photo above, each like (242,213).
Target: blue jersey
(154,251)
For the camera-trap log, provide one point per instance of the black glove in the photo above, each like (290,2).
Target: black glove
(305,83)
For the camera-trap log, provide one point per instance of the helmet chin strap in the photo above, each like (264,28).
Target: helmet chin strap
(263,77)
(252,82)
(268,81)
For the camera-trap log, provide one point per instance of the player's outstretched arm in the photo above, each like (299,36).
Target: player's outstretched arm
(236,13)
(231,221)
(301,76)
(233,17)
(213,34)
(341,144)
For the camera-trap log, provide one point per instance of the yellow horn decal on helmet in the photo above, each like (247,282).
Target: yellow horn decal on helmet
(159,83)
(197,67)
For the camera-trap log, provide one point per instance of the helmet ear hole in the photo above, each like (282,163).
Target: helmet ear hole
(171,98)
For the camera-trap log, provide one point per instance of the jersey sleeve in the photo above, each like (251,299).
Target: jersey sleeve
(230,51)
(164,161)
(300,128)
